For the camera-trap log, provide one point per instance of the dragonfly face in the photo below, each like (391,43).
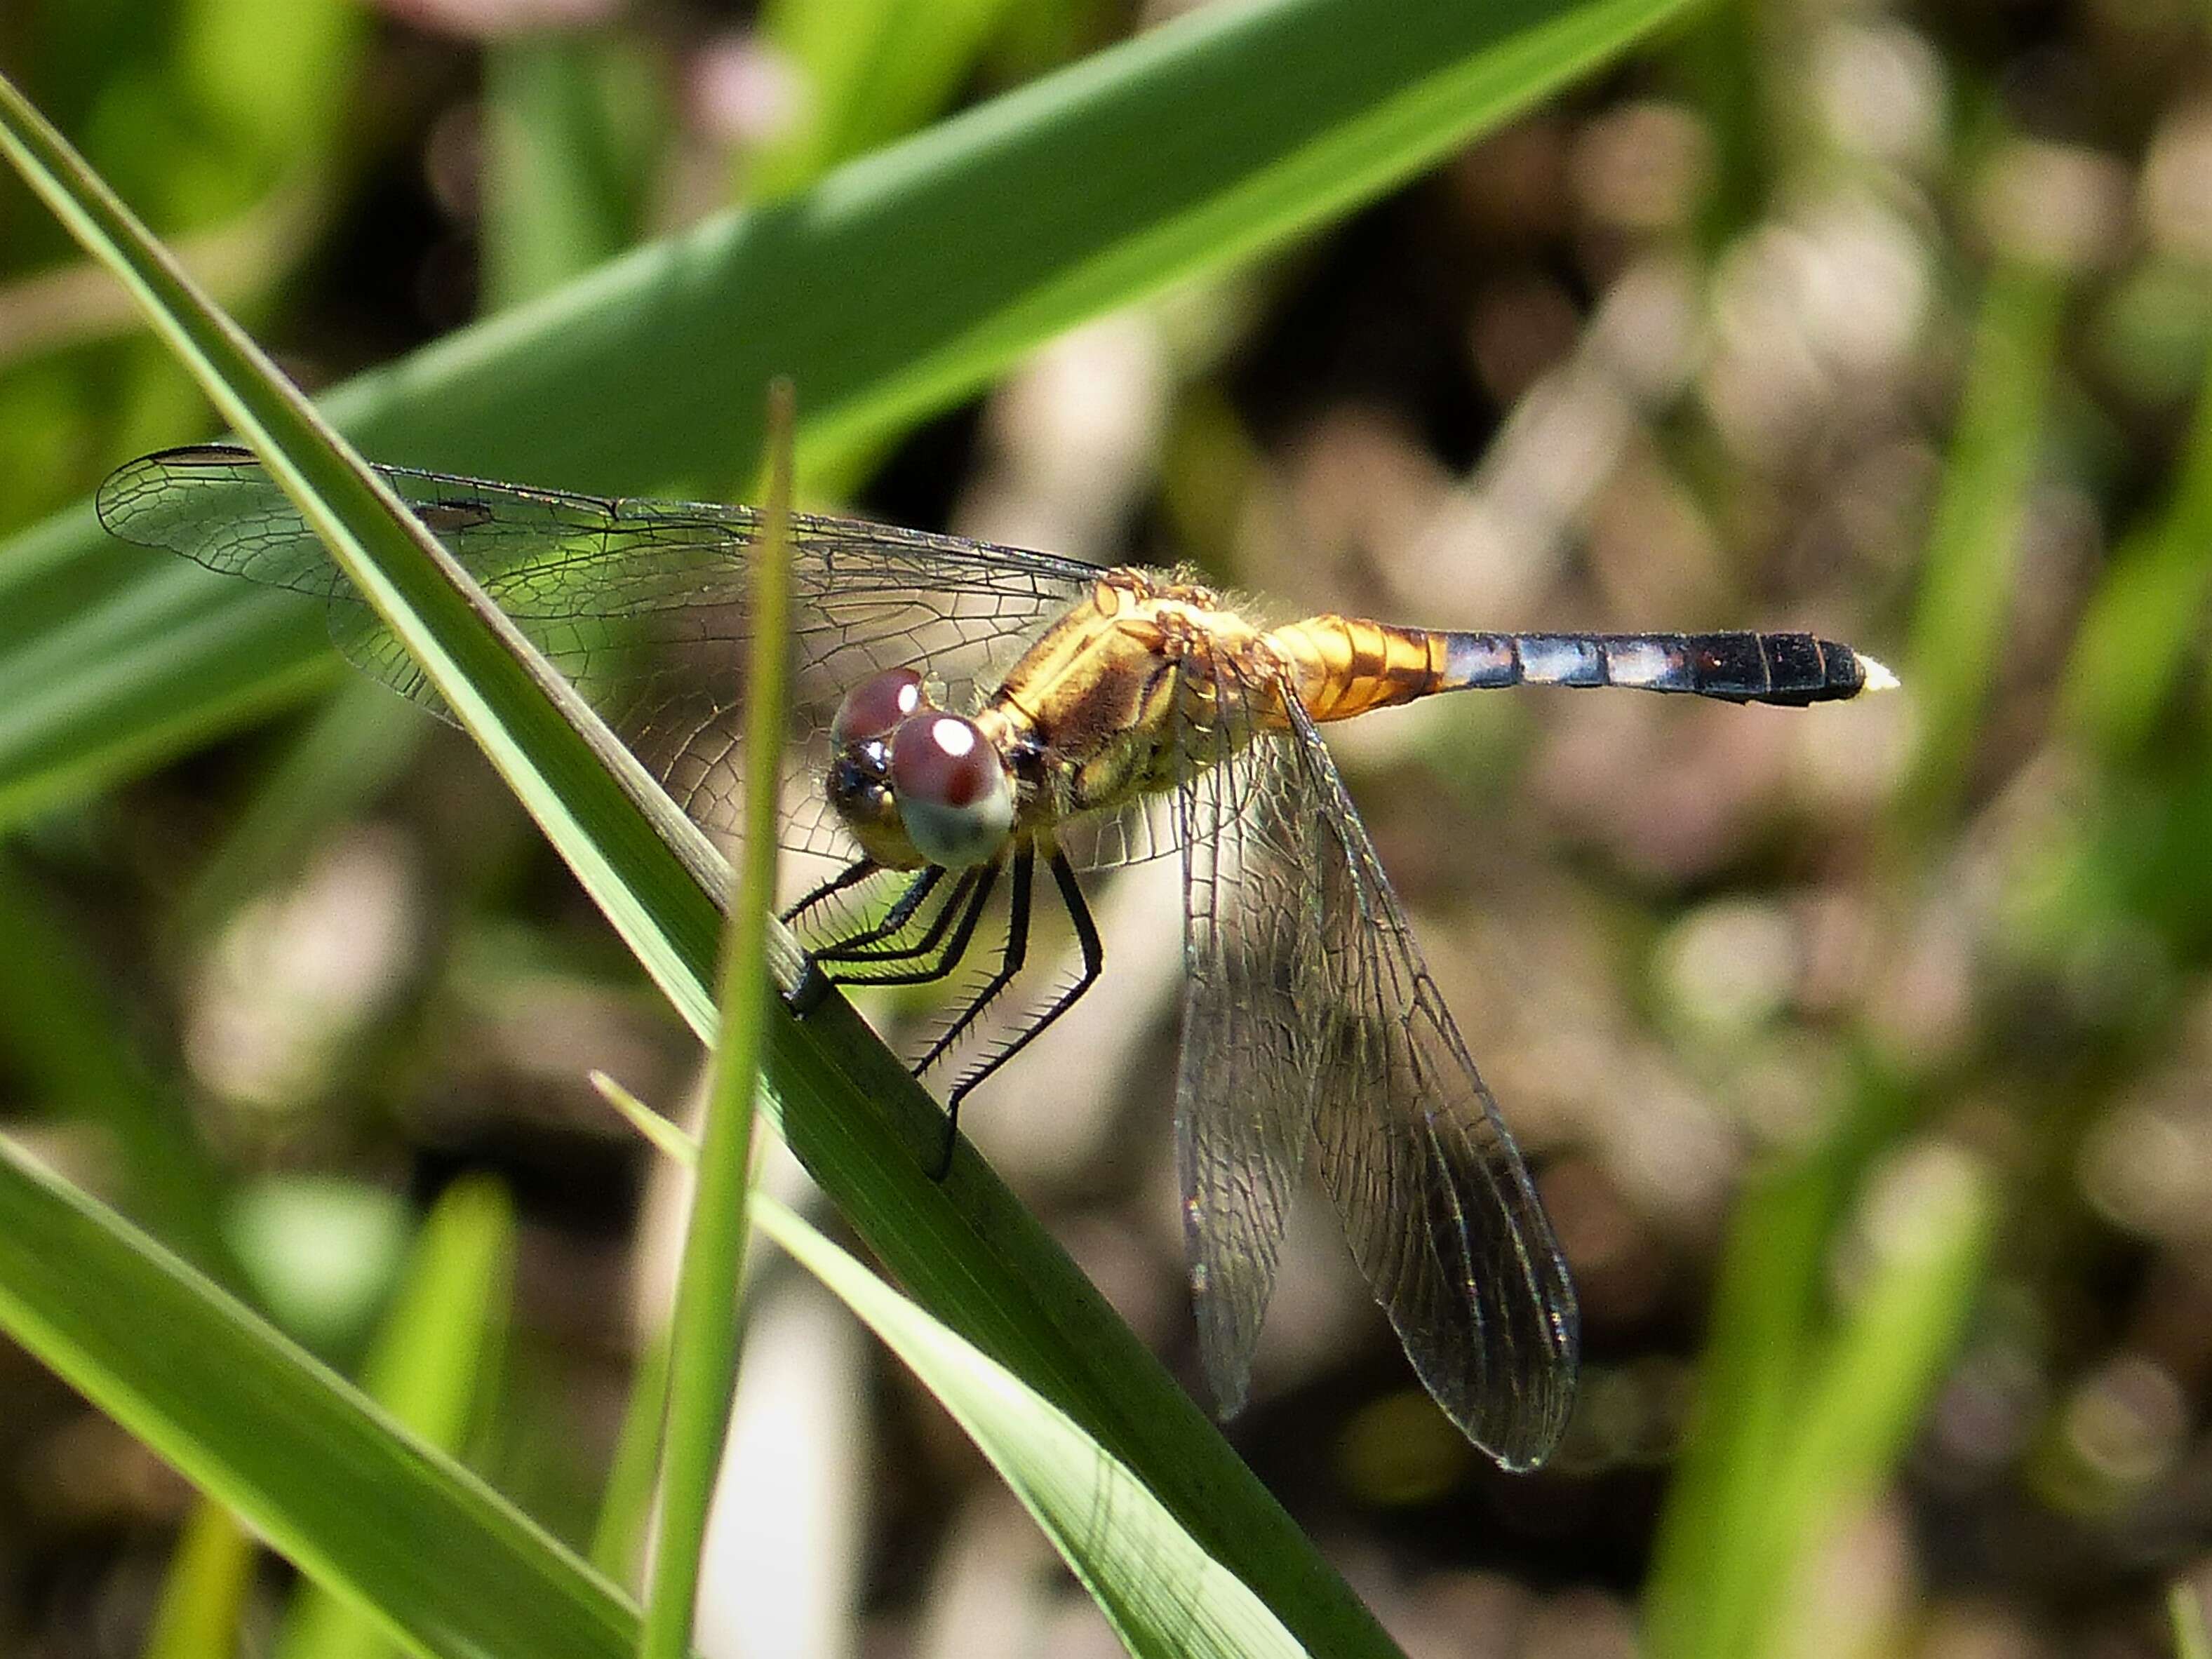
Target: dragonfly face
(1069,702)
(915,785)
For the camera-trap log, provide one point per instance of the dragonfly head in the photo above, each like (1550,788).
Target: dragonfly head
(913,784)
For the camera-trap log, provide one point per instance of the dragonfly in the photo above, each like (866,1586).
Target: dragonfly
(965,715)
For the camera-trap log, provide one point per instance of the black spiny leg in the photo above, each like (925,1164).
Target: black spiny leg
(806,996)
(851,876)
(1094,958)
(1010,964)
(860,946)
(968,898)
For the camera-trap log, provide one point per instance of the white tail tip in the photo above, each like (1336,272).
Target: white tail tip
(1878,678)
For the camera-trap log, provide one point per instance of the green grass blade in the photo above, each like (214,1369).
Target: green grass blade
(439,1352)
(109,669)
(1789,1441)
(272,78)
(1722,54)
(2142,624)
(434,1366)
(73,1055)
(626,1499)
(592,798)
(901,281)
(1701,1585)
(1706,1588)
(908,278)
(847,1108)
(205,1593)
(1870,1386)
(703,1339)
(1973,543)
(1162,1591)
(564,166)
(1157,1585)
(871,71)
(2184,1609)
(444,1565)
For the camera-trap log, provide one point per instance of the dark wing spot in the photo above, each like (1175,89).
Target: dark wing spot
(448,517)
(215,455)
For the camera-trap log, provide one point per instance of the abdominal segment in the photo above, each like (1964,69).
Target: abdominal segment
(1346,666)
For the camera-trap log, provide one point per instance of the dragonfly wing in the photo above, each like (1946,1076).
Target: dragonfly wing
(644,605)
(1244,1100)
(1147,828)
(1435,1198)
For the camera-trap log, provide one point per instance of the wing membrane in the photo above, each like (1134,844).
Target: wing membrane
(1435,1198)
(1244,1100)
(1311,1021)
(644,605)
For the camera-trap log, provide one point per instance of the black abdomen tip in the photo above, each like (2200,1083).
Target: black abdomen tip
(1790,669)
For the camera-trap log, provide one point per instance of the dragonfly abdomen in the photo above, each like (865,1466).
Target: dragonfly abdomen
(1789,669)
(1346,666)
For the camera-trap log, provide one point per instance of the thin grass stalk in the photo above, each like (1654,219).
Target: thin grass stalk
(1973,560)
(703,1354)
(2186,1611)
(626,1498)
(204,1597)
(2141,629)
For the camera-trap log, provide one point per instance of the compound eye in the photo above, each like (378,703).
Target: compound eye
(951,790)
(872,710)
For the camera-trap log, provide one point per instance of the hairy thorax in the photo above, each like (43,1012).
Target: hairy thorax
(1123,697)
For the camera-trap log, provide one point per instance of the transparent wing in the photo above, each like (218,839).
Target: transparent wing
(1309,1013)
(1435,1198)
(644,605)
(1244,1099)
(1149,827)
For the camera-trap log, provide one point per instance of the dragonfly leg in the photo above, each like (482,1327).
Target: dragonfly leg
(1094,959)
(862,947)
(806,996)
(851,876)
(1011,959)
(964,902)
(803,998)
(968,896)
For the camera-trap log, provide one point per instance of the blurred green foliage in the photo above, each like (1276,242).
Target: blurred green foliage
(225,122)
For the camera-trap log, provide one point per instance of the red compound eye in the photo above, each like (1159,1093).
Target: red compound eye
(872,710)
(951,790)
